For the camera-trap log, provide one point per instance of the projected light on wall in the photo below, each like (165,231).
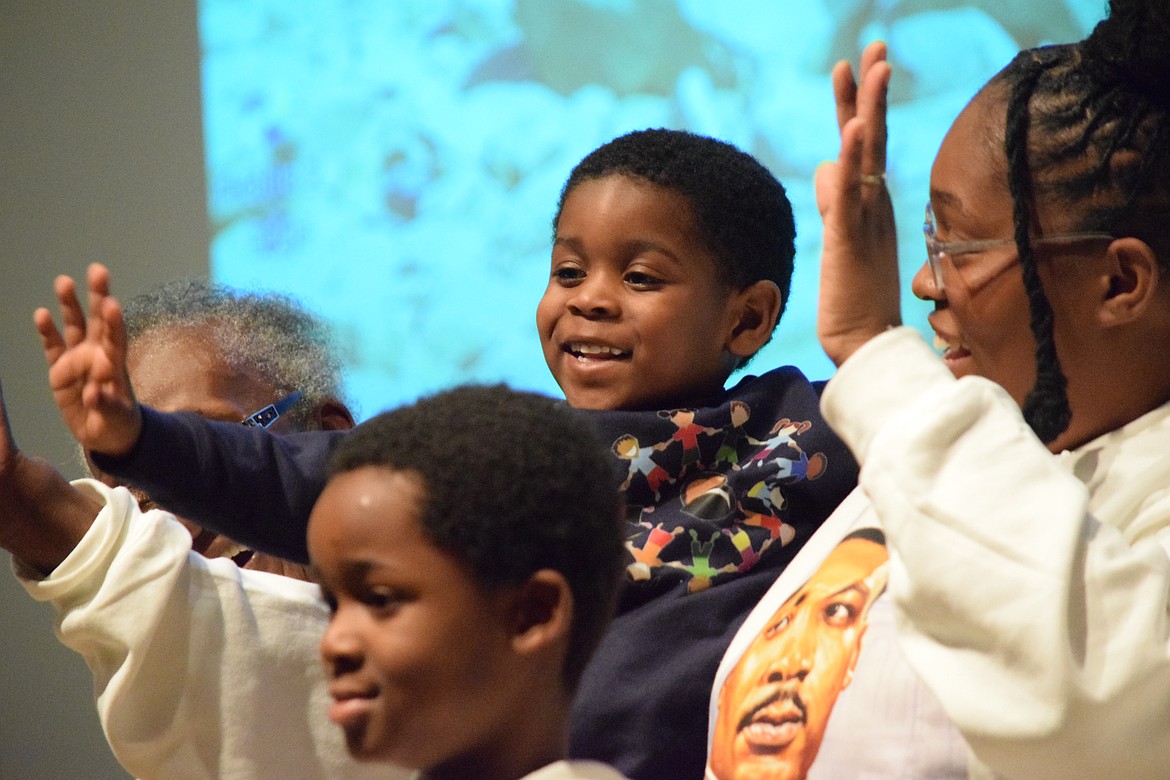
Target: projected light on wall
(395,163)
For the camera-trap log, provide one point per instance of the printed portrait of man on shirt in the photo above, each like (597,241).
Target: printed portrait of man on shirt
(775,702)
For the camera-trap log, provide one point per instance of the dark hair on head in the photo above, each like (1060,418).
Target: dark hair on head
(868,533)
(515,483)
(263,332)
(740,209)
(1087,127)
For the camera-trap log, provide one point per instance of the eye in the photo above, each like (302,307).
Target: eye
(642,280)
(568,274)
(778,626)
(329,599)
(839,614)
(382,598)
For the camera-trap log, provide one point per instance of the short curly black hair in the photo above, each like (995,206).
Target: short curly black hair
(741,210)
(515,482)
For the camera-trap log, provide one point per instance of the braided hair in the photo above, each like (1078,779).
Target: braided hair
(1087,125)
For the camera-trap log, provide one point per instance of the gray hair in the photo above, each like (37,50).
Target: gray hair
(265,332)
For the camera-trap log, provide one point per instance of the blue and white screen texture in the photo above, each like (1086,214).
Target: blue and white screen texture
(395,164)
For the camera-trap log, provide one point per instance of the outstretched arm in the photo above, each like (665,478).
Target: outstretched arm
(246,483)
(42,517)
(860,295)
(1032,603)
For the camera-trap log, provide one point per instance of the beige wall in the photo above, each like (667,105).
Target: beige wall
(100,159)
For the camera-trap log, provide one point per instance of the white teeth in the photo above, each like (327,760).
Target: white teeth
(944,346)
(595,349)
(233,551)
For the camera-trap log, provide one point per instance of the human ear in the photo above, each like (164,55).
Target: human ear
(1132,283)
(542,612)
(332,415)
(754,314)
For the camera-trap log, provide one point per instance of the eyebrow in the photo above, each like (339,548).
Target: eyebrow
(860,587)
(948,199)
(637,244)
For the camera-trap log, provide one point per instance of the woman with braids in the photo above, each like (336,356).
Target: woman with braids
(1021,626)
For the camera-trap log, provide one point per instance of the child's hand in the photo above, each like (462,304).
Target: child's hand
(42,517)
(860,294)
(87,366)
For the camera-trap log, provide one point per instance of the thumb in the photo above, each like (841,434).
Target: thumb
(824,185)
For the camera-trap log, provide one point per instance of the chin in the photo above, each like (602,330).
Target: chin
(584,398)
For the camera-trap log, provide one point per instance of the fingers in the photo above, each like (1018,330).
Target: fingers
(113,345)
(871,106)
(845,92)
(871,55)
(72,316)
(867,100)
(76,326)
(51,340)
(113,330)
(98,281)
(850,166)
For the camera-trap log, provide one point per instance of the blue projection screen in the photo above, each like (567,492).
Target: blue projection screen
(395,164)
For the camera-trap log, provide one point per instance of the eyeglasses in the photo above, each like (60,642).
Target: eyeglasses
(271,413)
(935,249)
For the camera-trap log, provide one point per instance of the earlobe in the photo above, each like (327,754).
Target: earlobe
(543,612)
(757,309)
(333,415)
(1133,282)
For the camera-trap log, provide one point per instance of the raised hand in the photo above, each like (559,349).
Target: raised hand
(87,366)
(42,517)
(860,293)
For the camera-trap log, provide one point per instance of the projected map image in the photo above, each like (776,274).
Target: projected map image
(396,165)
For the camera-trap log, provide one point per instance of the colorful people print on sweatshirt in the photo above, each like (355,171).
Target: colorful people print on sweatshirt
(707,495)
(775,703)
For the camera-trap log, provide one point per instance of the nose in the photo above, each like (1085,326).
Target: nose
(792,658)
(340,648)
(923,285)
(594,297)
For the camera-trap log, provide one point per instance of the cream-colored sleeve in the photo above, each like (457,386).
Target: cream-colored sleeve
(1044,633)
(201,670)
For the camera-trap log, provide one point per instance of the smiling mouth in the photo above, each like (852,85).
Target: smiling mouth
(242,558)
(350,710)
(586,352)
(950,350)
(238,554)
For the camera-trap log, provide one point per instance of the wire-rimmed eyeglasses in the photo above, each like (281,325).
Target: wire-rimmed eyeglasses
(936,250)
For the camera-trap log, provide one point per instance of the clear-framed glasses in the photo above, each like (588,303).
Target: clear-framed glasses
(936,250)
(271,413)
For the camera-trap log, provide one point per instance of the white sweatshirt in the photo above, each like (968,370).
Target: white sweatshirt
(1032,592)
(575,770)
(202,671)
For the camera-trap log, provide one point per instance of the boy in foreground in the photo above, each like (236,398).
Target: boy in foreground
(469,549)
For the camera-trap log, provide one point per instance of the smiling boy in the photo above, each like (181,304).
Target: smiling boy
(636,315)
(672,259)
